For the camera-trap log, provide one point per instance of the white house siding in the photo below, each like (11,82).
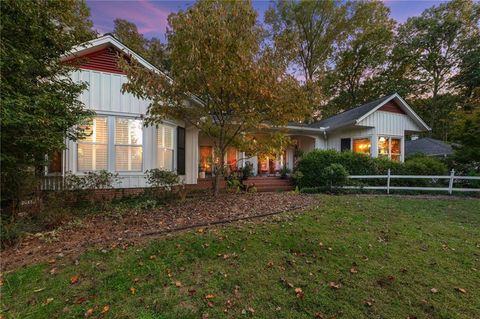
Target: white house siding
(104,96)
(377,124)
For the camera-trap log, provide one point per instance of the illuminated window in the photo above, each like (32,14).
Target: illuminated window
(389,147)
(128,144)
(232,159)
(165,147)
(362,145)
(383,146)
(92,151)
(206,156)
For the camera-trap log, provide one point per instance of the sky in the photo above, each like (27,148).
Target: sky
(150,16)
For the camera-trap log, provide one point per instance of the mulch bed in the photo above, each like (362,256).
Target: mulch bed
(122,231)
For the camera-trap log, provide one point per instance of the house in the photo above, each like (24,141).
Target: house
(119,142)
(427,146)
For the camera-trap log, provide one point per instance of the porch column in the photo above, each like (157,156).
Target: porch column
(318,143)
(191,155)
(374,143)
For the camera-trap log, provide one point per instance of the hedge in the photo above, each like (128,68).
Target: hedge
(313,167)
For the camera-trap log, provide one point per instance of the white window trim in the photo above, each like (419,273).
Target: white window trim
(114,145)
(368,137)
(173,148)
(389,138)
(93,143)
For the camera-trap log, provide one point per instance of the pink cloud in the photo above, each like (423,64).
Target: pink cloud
(150,19)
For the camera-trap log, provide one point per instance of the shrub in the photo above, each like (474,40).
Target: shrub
(161,178)
(382,165)
(247,170)
(334,175)
(312,165)
(91,180)
(424,165)
(284,171)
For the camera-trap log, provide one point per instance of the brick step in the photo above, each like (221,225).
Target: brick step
(274,189)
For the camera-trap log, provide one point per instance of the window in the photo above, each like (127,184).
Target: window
(389,147)
(232,159)
(128,144)
(55,163)
(92,151)
(362,145)
(165,147)
(345,144)
(206,158)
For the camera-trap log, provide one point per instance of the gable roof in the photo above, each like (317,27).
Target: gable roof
(108,40)
(357,114)
(104,42)
(428,146)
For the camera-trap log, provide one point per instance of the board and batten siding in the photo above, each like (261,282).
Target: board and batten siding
(390,123)
(104,96)
(104,93)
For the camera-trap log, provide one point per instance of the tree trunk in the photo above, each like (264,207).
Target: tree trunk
(217,181)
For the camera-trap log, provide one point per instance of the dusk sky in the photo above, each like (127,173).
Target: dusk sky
(151,16)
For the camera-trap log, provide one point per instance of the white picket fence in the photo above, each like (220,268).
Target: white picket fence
(450,189)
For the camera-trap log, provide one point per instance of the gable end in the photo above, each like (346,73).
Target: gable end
(104,60)
(391,107)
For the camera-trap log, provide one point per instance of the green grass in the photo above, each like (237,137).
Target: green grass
(412,245)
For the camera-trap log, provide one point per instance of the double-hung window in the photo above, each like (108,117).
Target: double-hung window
(165,147)
(92,151)
(389,147)
(128,145)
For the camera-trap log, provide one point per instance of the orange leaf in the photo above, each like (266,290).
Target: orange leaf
(89,312)
(74,279)
(133,290)
(178,284)
(105,309)
(209,296)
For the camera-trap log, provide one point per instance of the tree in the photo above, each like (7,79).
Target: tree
(361,58)
(235,84)
(39,100)
(308,31)
(152,50)
(432,45)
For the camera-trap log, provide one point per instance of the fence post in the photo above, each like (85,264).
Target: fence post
(388,181)
(450,183)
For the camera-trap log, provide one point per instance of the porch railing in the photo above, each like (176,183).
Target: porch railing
(389,177)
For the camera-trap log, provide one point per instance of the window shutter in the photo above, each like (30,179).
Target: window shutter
(345,144)
(180,150)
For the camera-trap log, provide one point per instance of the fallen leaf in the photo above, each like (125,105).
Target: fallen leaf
(53,271)
(89,313)
(209,296)
(270,264)
(74,279)
(80,300)
(105,309)
(210,304)
(152,257)
(354,270)
(47,301)
(463,291)
(178,284)
(251,310)
(334,285)
(192,291)
(434,290)
(133,290)
(299,292)
(39,289)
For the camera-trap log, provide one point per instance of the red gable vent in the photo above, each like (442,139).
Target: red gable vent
(391,107)
(104,60)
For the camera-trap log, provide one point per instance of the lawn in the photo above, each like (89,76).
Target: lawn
(352,257)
